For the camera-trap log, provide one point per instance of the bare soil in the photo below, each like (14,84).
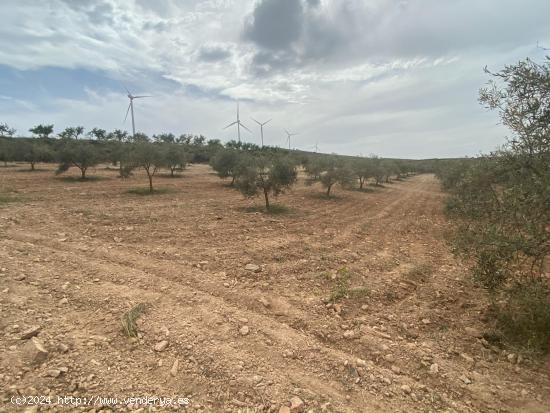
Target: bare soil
(401,334)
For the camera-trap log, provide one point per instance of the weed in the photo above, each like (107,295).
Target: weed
(147,191)
(129,320)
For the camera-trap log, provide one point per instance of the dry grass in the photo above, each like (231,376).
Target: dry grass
(129,318)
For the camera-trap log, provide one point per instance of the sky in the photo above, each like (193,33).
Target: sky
(396,78)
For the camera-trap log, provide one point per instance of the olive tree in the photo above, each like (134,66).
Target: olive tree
(266,176)
(363,170)
(174,157)
(6,150)
(33,152)
(97,133)
(148,156)
(331,171)
(226,163)
(42,131)
(81,154)
(72,132)
(501,205)
(6,131)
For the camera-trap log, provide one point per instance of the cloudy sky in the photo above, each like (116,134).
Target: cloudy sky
(396,78)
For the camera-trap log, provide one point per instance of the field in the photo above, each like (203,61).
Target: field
(356,303)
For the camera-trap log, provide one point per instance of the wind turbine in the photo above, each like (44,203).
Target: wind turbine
(262,128)
(131,108)
(289,135)
(239,124)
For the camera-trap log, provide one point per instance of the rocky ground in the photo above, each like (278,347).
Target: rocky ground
(350,304)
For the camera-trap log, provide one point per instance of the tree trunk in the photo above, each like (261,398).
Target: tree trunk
(172,172)
(120,170)
(328,190)
(150,181)
(361,181)
(266,196)
(83,170)
(233,180)
(32,166)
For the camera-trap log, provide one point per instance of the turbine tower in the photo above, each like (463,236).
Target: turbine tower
(131,108)
(239,124)
(262,128)
(289,135)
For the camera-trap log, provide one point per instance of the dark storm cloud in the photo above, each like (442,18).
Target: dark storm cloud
(275,24)
(345,32)
(213,53)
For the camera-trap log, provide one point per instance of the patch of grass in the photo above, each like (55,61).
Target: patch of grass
(420,272)
(341,289)
(274,209)
(524,320)
(146,191)
(359,292)
(129,318)
(79,179)
(6,198)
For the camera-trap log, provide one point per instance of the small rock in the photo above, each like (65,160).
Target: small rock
(264,302)
(20,277)
(425,321)
(174,369)
(434,368)
(244,330)
(30,332)
(474,332)
(161,345)
(349,334)
(63,301)
(53,373)
(284,409)
(296,405)
(465,379)
(35,352)
(252,267)
(396,369)
(406,389)
(511,358)
(31,409)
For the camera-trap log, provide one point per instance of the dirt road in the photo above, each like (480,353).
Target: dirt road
(401,333)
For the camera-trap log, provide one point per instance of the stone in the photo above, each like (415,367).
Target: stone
(349,334)
(252,267)
(465,379)
(244,330)
(31,409)
(174,369)
(53,373)
(296,405)
(396,369)
(161,345)
(30,332)
(426,321)
(35,352)
(473,332)
(284,409)
(264,302)
(406,389)
(434,368)
(64,300)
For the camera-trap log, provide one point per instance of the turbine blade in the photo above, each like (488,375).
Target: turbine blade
(256,121)
(126,89)
(265,123)
(231,124)
(143,96)
(240,123)
(127,111)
